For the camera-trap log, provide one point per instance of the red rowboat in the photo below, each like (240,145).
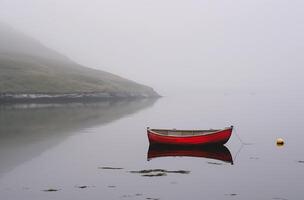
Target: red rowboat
(189,137)
(217,152)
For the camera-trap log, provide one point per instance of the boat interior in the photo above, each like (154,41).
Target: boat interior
(174,132)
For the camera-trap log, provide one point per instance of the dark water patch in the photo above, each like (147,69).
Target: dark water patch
(279,198)
(132,195)
(112,168)
(149,198)
(82,187)
(51,190)
(214,163)
(301,161)
(231,194)
(111,186)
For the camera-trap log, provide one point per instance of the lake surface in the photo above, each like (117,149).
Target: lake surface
(97,150)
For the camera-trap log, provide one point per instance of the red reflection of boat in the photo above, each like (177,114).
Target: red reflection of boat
(217,152)
(189,137)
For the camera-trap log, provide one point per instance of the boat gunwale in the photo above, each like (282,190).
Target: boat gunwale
(205,132)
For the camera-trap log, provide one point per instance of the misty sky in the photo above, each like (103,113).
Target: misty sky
(172,45)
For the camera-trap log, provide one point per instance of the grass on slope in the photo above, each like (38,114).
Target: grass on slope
(28,74)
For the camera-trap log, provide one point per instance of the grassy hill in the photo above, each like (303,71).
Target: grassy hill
(28,67)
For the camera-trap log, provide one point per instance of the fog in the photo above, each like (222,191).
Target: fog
(174,46)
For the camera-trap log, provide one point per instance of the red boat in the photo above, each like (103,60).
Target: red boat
(189,137)
(217,152)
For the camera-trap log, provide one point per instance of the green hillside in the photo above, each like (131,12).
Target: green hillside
(28,67)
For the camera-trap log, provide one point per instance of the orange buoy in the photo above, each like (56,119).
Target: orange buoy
(280,142)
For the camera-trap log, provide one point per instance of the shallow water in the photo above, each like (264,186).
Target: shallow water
(101,151)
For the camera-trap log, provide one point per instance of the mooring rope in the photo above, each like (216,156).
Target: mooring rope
(240,139)
(242,145)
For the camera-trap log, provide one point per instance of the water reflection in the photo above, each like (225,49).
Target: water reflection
(26,130)
(219,152)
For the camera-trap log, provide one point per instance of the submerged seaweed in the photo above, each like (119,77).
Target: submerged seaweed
(155,175)
(158,172)
(145,171)
(113,168)
(51,190)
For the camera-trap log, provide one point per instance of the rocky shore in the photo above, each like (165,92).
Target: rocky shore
(68,97)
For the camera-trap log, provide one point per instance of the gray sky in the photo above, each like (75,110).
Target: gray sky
(174,45)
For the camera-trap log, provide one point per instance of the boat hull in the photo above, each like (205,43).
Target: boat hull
(218,137)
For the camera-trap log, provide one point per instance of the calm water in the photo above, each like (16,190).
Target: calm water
(87,151)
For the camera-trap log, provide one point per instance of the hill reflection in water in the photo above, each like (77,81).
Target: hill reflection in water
(29,129)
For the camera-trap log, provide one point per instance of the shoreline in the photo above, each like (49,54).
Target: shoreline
(69,97)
